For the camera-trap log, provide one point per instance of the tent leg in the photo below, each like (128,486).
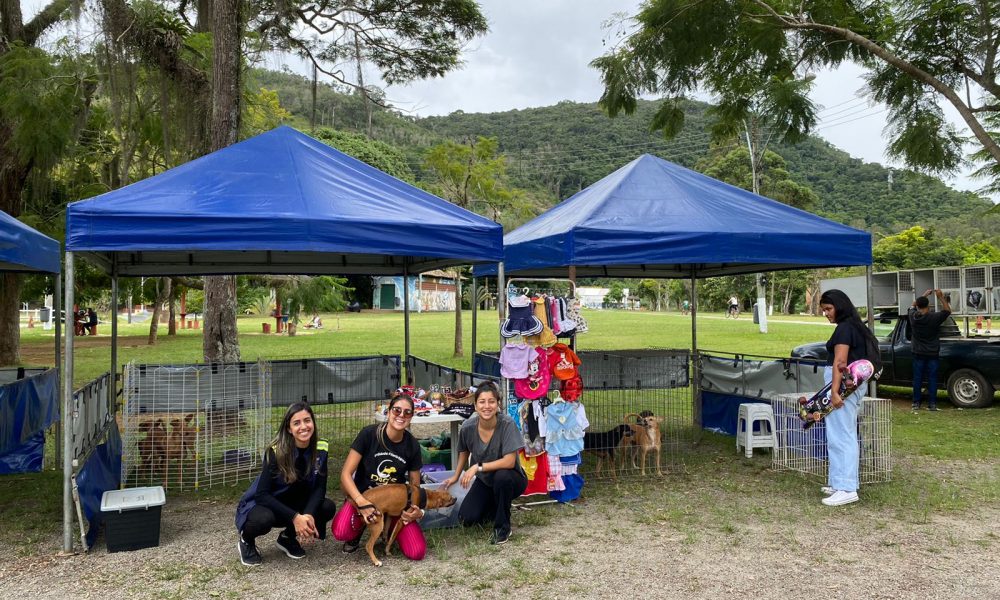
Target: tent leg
(406,320)
(67,413)
(57,316)
(501,311)
(113,388)
(475,306)
(695,374)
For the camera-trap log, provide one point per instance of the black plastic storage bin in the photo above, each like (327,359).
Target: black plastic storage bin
(132,518)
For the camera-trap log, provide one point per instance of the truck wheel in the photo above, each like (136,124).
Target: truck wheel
(969,389)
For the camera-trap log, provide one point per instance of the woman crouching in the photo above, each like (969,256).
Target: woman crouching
(290,491)
(488,442)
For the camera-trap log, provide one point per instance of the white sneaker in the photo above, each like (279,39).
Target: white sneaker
(840,497)
(827,490)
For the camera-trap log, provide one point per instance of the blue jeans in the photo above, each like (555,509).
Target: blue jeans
(842,446)
(921,365)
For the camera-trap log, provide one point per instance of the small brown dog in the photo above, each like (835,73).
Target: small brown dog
(151,448)
(390,501)
(645,438)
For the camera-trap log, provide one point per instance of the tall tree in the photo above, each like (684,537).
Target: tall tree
(220,341)
(473,176)
(404,40)
(916,52)
(39,100)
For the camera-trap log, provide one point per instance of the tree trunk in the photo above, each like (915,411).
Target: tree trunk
(10,319)
(161,298)
(459,350)
(221,342)
(12,178)
(172,313)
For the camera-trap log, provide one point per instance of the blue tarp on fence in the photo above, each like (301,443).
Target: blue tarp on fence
(27,408)
(101,472)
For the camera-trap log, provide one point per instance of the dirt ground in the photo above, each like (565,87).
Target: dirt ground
(751,533)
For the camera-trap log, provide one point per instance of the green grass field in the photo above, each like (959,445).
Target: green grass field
(432,338)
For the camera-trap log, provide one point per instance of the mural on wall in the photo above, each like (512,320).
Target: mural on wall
(388,295)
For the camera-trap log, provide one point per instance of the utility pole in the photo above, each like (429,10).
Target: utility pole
(755,177)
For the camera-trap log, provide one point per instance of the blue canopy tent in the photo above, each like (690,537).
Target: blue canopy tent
(652,218)
(655,219)
(25,250)
(278,203)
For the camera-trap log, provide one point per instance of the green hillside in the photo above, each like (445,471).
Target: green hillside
(561,149)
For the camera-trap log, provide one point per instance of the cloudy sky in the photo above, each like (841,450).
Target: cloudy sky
(537,53)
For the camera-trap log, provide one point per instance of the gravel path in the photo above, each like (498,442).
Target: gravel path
(680,537)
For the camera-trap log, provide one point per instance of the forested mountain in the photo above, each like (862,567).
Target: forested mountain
(563,148)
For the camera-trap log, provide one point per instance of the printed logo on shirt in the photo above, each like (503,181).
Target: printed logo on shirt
(388,469)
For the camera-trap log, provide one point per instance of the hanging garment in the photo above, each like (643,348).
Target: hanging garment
(565,422)
(536,384)
(533,443)
(536,468)
(564,362)
(571,389)
(574,314)
(521,319)
(567,325)
(514,359)
(555,474)
(553,308)
(545,338)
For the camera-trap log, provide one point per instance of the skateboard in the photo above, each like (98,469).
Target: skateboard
(812,410)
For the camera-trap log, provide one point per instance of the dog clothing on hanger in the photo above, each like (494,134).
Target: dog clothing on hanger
(545,337)
(566,422)
(514,359)
(521,319)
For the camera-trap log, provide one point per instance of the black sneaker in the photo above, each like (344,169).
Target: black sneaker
(915,407)
(499,537)
(352,546)
(932,407)
(249,555)
(290,545)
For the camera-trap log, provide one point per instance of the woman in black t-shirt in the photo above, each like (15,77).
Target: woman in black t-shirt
(381,454)
(849,342)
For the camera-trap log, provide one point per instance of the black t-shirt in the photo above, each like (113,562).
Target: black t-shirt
(846,333)
(926,331)
(380,464)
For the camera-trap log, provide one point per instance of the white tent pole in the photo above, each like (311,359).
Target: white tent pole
(475,306)
(695,375)
(501,311)
(67,412)
(57,310)
(113,388)
(406,317)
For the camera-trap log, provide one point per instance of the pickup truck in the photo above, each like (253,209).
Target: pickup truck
(969,369)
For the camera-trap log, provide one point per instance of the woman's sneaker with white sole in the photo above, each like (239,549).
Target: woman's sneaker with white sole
(840,497)
(827,490)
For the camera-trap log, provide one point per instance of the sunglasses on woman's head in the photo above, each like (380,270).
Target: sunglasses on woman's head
(399,411)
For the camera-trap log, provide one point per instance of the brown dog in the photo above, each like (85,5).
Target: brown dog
(152,454)
(390,501)
(645,438)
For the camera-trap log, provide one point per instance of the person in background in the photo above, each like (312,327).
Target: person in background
(290,491)
(925,328)
(91,321)
(734,307)
(382,454)
(488,442)
(850,342)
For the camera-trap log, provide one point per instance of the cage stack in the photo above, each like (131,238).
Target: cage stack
(194,426)
(805,451)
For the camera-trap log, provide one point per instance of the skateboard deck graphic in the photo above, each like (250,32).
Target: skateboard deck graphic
(812,410)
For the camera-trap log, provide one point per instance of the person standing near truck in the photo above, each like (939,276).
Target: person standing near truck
(925,328)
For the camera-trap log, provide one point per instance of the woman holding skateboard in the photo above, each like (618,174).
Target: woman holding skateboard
(850,341)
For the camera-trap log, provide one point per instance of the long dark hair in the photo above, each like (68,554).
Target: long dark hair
(380,432)
(284,444)
(844,310)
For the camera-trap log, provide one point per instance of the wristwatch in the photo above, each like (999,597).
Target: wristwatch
(480,467)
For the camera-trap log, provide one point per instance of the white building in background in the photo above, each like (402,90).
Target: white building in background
(592,297)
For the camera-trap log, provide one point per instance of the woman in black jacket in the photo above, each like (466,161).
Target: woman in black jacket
(290,491)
